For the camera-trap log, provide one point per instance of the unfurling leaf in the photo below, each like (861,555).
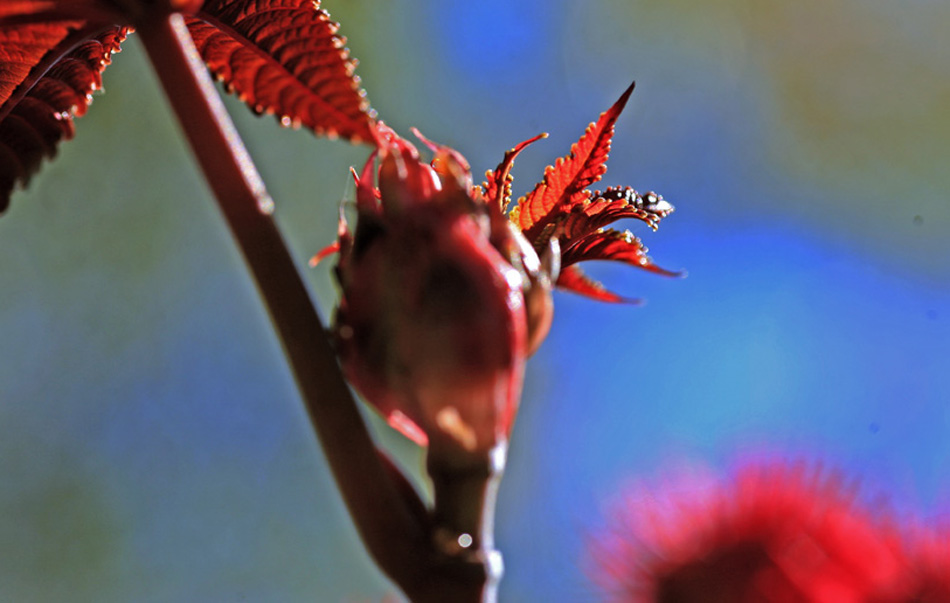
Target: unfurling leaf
(284,57)
(583,238)
(565,182)
(573,279)
(497,185)
(613,204)
(606,244)
(47,76)
(561,207)
(443,296)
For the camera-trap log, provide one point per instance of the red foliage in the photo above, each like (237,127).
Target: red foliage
(563,208)
(49,74)
(419,320)
(565,182)
(280,56)
(415,215)
(573,279)
(497,187)
(17,8)
(432,325)
(285,57)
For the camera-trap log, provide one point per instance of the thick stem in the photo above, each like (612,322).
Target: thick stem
(384,509)
(465,487)
(407,542)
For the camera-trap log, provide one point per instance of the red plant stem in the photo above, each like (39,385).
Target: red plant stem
(400,533)
(387,512)
(466,489)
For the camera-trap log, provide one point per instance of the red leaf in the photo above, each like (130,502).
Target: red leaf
(47,12)
(561,208)
(324,253)
(573,279)
(47,76)
(497,186)
(565,182)
(612,245)
(285,57)
(22,49)
(613,204)
(21,8)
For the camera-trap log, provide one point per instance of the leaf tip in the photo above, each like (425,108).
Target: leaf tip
(622,101)
(324,253)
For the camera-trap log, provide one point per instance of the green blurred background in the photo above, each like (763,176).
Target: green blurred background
(152,445)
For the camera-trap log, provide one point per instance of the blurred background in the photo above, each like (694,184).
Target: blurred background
(152,444)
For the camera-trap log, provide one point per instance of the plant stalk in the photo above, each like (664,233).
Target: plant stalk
(384,507)
(466,489)
(405,539)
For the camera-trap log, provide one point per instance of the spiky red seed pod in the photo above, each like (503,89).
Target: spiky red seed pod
(775,533)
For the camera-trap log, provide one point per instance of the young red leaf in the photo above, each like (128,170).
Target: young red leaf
(610,244)
(47,75)
(562,209)
(285,57)
(573,279)
(613,204)
(565,182)
(605,245)
(497,185)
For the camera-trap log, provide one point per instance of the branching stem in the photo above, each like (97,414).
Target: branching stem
(401,534)
(382,508)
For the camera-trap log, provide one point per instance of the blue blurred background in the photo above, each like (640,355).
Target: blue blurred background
(152,444)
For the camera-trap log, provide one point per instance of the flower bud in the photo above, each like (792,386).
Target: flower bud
(432,324)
